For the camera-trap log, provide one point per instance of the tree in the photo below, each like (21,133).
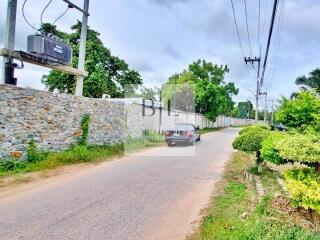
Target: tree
(312,82)
(242,110)
(108,74)
(212,95)
(302,111)
(149,93)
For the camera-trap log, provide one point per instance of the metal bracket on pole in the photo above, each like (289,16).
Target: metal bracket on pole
(84,10)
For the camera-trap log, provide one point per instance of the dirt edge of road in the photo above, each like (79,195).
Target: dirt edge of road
(184,217)
(217,189)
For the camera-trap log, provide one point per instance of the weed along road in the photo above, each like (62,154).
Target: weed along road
(153,194)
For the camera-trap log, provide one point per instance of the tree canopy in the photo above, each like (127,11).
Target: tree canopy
(211,96)
(108,74)
(243,110)
(311,82)
(301,111)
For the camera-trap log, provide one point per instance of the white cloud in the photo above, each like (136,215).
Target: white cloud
(159,43)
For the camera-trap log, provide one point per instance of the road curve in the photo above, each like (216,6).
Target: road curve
(150,195)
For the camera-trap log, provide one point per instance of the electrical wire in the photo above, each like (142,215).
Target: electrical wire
(45,8)
(239,39)
(237,29)
(277,44)
(275,5)
(248,33)
(23,14)
(276,49)
(61,15)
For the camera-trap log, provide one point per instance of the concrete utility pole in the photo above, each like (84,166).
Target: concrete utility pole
(272,113)
(9,38)
(252,61)
(82,48)
(265,107)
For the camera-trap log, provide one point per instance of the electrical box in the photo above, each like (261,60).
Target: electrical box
(50,49)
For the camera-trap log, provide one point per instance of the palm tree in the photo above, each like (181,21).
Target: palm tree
(311,82)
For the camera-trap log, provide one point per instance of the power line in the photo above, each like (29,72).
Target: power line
(45,8)
(248,33)
(235,22)
(276,49)
(61,15)
(275,4)
(239,39)
(23,6)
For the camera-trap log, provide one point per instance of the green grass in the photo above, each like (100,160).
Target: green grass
(209,130)
(237,196)
(39,161)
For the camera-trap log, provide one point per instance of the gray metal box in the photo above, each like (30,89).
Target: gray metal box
(49,49)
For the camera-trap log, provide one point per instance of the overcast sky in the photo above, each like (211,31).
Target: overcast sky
(162,37)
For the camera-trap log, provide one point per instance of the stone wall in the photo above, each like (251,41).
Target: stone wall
(53,120)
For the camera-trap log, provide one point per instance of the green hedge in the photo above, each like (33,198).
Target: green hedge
(302,184)
(253,127)
(251,139)
(280,148)
(304,187)
(269,149)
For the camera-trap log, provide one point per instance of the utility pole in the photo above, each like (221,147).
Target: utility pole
(9,38)
(249,105)
(272,113)
(252,61)
(265,106)
(82,48)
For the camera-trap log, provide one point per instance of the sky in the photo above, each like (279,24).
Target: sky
(159,38)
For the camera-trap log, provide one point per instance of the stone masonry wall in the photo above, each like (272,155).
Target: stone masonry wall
(53,120)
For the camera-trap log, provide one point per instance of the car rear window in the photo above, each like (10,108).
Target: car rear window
(183,128)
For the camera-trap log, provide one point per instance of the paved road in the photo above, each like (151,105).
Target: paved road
(145,196)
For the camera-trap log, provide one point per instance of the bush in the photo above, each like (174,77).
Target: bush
(33,155)
(303,185)
(269,149)
(300,112)
(253,127)
(300,148)
(251,139)
(280,148)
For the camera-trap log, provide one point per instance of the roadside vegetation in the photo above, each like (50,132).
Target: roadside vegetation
(288,166)
(209,130)
(80,152)
(235,212)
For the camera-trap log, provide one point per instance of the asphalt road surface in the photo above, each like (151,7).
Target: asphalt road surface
(155,194)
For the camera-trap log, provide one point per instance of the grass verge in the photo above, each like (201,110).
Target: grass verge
(39,160)
(236,214)
(209,130)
